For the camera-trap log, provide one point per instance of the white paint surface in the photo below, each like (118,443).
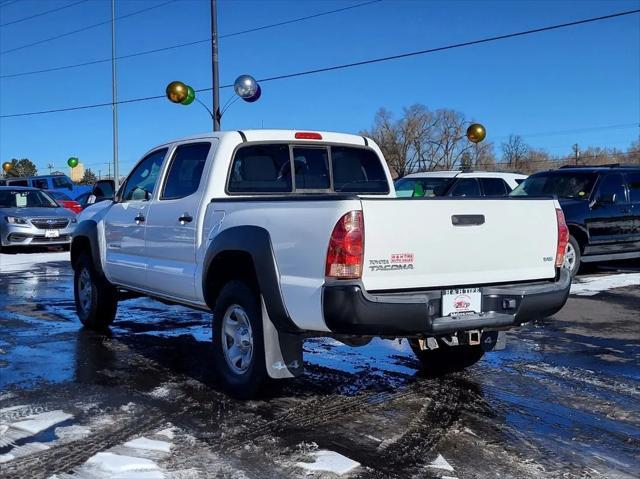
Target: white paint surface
(329,461)
(117,464)
(589,286)
(10,263)
(441,463)
(149,444)
(40,422)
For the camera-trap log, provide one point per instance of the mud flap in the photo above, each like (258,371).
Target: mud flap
(283,351)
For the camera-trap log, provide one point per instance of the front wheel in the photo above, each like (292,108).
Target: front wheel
(446,359)
(96,299)
(238,340)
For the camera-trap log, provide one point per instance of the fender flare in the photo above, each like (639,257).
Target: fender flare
(87,229)
(256,242)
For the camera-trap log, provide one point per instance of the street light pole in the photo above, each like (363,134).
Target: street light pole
(114,95)
(214,65)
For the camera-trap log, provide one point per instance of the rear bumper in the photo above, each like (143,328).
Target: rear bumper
(349,309)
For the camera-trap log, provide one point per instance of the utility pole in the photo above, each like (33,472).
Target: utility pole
(99,175)
(576,152)
(214,65)
(114,94)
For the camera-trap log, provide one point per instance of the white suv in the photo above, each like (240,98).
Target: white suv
(458,183)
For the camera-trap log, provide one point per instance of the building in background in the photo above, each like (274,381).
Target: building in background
(77,173)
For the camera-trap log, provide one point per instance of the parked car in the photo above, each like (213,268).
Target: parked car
(287,235)
(457,183)
(49,183)
(30,217)
(65,201)
(601,205)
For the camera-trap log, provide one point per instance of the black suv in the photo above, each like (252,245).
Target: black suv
(601,205)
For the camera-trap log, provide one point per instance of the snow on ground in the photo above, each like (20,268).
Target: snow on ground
(589,286)
(148,444)
(441,463)
(40,422)
(10,263)
(329,461)
(118,464)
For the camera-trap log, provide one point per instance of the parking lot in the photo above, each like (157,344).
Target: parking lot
(563,399)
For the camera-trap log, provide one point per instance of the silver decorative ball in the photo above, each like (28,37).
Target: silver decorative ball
(245,86)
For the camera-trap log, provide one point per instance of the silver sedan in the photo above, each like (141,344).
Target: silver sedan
(30,217)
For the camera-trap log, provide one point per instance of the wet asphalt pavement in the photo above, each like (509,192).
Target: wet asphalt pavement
(563,399)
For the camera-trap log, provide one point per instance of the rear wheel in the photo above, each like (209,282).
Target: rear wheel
(96,299)
(446,359)
(239,341)
(572,256)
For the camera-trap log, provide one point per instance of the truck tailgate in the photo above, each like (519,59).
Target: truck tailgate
(414,243)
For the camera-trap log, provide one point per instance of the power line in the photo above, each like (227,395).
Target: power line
(88,27)
(354,64)
(195,42)
(9,2)
(576,130)
(46,12)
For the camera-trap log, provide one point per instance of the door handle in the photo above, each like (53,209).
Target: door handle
(185,218)
(139,219)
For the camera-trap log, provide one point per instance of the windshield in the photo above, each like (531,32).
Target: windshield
(419,187)
(26,199)
(574,185)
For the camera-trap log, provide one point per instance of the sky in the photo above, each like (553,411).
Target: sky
(575,85)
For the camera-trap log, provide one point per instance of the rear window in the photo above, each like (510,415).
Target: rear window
(18,183)
(261,169)
(269,168)
(494,187)
(59,195)
(356,170)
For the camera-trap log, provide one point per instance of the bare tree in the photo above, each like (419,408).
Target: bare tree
(514,151)
(424,140)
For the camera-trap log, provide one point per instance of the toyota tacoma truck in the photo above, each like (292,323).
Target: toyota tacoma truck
(286,235)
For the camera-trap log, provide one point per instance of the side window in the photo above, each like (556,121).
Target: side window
(466,187)
(312,168)
(40,183)
(18,183)
(142,180)
(185,171)
(612,189)
(494,187)
(633,181)
(62,182)
(261,169)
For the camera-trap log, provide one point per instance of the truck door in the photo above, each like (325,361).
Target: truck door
(633,183)
(611,220)
(125,223)
(172,223)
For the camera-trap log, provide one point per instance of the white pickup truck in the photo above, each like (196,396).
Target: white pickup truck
(286,235)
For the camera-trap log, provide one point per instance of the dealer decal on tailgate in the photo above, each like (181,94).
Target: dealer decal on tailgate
(396,262)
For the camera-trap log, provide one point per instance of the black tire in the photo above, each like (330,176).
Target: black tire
(97,309)
(240,383)
(575,247)
(446,359)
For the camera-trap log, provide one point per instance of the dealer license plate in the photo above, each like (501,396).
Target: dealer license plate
(51,234)
(461,301)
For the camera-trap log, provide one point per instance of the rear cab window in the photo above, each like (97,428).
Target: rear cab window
(301,168)
(494,187)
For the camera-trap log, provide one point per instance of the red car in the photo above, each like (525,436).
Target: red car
(64,201)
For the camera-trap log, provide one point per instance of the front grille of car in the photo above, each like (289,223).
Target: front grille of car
(50,223)
(43,240)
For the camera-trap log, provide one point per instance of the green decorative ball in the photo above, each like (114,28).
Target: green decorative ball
(191,95)
(72,162)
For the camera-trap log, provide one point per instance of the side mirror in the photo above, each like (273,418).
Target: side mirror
(104,190)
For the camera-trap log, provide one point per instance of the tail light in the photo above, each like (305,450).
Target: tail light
(308,135)
(563,238)
(346,247)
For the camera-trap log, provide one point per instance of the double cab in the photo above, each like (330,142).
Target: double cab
(286,235)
